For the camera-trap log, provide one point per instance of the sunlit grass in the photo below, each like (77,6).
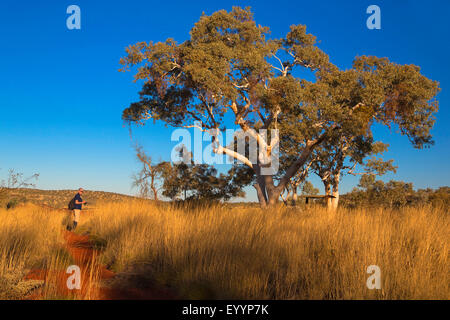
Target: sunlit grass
(31,240)
(243,253)
(27,235)
(280,253)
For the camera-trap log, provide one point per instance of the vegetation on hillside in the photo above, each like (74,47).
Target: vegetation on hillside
(394,194)
(56,198)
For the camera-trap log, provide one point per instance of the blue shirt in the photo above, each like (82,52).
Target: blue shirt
(78,198)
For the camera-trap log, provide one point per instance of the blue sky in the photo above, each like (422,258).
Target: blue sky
(61,95)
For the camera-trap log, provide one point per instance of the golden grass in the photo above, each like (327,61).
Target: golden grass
(247,253)
(280,254)
(27,235)
(31,239)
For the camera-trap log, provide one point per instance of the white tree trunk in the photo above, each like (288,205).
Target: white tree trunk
(335,200)
(294,196)
(328,193)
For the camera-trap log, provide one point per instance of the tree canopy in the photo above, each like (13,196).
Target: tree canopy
(230,67)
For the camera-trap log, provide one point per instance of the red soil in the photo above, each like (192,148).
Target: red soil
(92,273)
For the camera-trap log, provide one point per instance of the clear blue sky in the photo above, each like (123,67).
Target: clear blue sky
(61,95)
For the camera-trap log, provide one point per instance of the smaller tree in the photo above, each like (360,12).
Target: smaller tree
(439,197)
(201,182)
(372,192)
(309,189)
(149,179)
(341,155)
(15,180)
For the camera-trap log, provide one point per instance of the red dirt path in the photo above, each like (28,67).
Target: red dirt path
(92,274)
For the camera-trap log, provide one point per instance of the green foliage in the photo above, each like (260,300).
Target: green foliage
(393,194)
(229,66)
(200,182)
(309,189)
(341,156)
(439,197)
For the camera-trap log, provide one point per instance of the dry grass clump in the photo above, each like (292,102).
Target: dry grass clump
(27,235)
(30,238)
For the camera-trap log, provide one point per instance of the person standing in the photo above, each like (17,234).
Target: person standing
(77,207)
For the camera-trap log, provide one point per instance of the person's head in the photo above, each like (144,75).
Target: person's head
(80,190)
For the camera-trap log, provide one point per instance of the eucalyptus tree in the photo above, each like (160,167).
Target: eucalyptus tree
(344,155)
(230,68)
(201,182)
(309,189)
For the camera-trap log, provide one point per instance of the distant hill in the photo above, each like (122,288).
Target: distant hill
(58,198)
